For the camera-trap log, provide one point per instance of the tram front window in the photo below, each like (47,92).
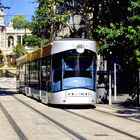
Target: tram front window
(74,70)
(77,66)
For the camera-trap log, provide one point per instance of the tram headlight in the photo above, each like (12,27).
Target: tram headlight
(80,48)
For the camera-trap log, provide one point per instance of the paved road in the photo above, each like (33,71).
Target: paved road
(25,118)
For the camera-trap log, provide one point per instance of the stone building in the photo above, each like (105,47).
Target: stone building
(9,37)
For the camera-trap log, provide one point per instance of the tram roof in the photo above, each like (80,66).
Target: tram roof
(35,54)
(38,53)
(71,43)
(55,47)
(73,39)
(46,50)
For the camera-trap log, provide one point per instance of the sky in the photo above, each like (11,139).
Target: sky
(25,7)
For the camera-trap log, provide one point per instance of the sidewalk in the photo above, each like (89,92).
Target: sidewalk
(119,108)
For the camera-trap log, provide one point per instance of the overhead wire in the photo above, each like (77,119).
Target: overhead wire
(12,15)
(10,8)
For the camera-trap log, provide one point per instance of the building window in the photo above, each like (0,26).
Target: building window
(19,39)
(10,41)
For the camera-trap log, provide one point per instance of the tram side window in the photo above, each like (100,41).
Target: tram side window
(27,76)
(49,74)
(18,72)
(94,71)
(56,72)
(23,72)
(43,73)
(57,68)
(34,74)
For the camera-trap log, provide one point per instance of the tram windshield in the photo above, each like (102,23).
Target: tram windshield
(73,70)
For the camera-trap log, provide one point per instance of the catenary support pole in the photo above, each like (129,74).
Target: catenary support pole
(110,98)
(115,84)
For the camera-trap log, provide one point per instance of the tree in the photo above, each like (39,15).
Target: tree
(19,50)
(124,34)
(134,37)
(50,16)
(48,19)
(84,9)
(94,13)
(19,22)
(33,41)
(134,28)
(123,40)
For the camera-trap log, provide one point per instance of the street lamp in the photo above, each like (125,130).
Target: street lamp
(110,83)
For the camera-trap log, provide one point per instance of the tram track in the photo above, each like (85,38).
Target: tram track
(70,131)
(115,114)
(103,124)
(16,128)
(81,116)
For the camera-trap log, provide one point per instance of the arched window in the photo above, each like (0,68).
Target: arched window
(1,56)
(19,39)
(10,41)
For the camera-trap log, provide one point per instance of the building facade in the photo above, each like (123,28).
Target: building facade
(9,37)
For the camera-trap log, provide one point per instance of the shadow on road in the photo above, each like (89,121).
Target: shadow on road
(73,106)
(7,91)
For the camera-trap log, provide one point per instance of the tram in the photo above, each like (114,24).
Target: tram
(62,72)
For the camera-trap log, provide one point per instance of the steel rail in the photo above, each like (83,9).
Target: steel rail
(103,124)
(16,128)
(80,137)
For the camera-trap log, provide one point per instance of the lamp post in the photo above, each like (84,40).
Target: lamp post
(110,91)
(110,81)
(115,84)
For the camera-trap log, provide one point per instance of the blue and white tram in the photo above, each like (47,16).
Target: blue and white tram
(63,72)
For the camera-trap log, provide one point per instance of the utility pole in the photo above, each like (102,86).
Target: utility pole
(110,91)
(115,83)
(110,79)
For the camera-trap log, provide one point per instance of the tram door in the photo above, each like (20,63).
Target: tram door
(48,82)
(45,79)
(46,74)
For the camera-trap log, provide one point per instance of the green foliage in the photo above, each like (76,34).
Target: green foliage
(123,40)
(48,19)
(34,41)
(137,54)
(19,50)
(134,34)
(134,14)
(19,21)
(111,36)
(124,36)
(2,74)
